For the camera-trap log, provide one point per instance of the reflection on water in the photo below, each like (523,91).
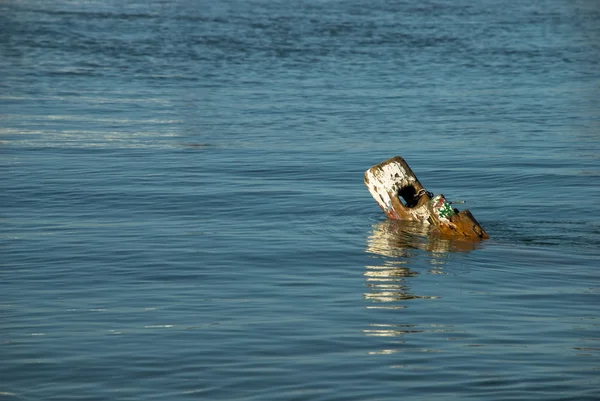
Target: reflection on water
(390,330)
(397,242)
(387,283)
(397,238)
(399,247)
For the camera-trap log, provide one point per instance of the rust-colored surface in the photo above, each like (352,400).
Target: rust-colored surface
(401,196)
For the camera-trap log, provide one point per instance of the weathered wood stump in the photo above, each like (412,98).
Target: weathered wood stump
(401,196)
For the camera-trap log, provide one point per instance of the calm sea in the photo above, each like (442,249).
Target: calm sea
(183,214)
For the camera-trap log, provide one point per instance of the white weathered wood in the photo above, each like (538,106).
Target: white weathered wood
(392,181)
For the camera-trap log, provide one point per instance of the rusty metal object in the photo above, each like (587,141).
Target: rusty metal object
(401,196)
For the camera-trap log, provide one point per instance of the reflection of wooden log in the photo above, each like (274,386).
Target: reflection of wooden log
(401,196)
(396,238)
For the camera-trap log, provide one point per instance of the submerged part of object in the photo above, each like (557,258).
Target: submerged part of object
(402,197)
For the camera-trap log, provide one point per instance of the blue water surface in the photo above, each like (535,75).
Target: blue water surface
(183,214)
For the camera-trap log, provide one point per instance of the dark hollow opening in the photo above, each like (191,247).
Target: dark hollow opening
(407,196)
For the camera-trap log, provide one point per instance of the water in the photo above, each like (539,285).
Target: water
(184,217)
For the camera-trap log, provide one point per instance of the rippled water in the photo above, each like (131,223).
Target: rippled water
(184,217)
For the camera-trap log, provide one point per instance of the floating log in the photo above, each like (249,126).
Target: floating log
(401,196)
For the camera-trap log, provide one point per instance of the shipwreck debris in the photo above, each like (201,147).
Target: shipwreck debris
(401,196)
